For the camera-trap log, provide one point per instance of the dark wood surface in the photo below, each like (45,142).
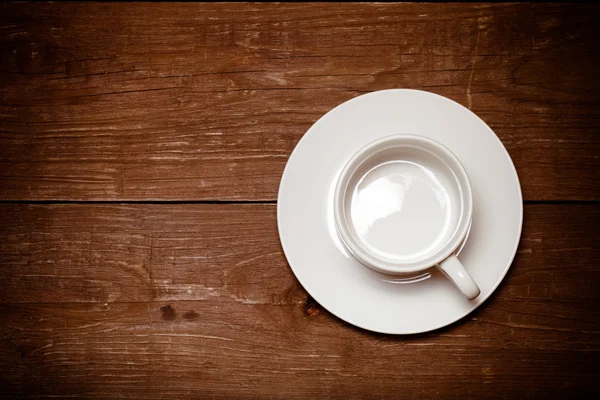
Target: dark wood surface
(200,101)
(141,147)
(197,300)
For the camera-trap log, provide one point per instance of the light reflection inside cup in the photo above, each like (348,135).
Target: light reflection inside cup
(393,196)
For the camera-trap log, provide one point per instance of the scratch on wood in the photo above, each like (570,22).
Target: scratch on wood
(469,99)
(248,261)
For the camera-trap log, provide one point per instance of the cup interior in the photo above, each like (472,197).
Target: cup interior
(403,204)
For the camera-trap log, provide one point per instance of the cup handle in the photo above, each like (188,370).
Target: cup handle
(455,271)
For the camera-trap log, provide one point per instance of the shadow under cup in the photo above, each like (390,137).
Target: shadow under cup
(403,204)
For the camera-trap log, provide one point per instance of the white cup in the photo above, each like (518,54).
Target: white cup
(403,204)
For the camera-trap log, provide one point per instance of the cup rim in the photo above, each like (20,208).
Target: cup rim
(368,258)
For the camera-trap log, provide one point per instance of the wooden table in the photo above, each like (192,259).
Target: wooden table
(141,148)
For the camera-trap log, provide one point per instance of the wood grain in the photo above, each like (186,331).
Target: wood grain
(201,101)
(206,102)
(188,301)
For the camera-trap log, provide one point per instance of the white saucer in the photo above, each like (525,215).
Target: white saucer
(341,284)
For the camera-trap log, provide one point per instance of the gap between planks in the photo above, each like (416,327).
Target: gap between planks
(231,202)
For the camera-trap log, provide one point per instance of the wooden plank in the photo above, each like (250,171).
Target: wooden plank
(201,101)
(188,301)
